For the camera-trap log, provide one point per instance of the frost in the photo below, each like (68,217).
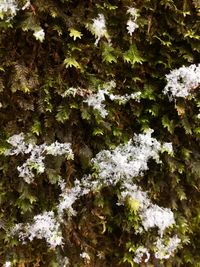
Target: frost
(181,82)
(99,27)
(85,255)
(151,215)
(131,24)
(129,160)
(122,164)
(168,147)
(65,262)
(18,145)
(35,162)
(39,34)
(165,251)
(133,12)
(155,216)
(57,149)
(71,91)
(140,253)
(8,8)
(96,100)
(125,98)
(27,5)
(135,193)
(119,165)
(112,167)
(68,198)
(44,226)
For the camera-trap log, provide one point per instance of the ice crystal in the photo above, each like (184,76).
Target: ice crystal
(129,160)
(131,24)
(134,192)
(44,226)
(155,216)
(85,255)
(113,167)
(39,34)
(69,196)
(57,149)
(181,82)
(71,91)
(164,251)
(18,145)
(35,162)
(65,262)
(16,139)
(122,164)
(140,254)
(123,99)
(151,215)
(126,162)
(99,27)
(27,5)
(67,199)
(168,147)
(96,100)
(8,8)
(133,12)
(7,264)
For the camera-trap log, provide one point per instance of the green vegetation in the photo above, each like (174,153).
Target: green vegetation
(56,59)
